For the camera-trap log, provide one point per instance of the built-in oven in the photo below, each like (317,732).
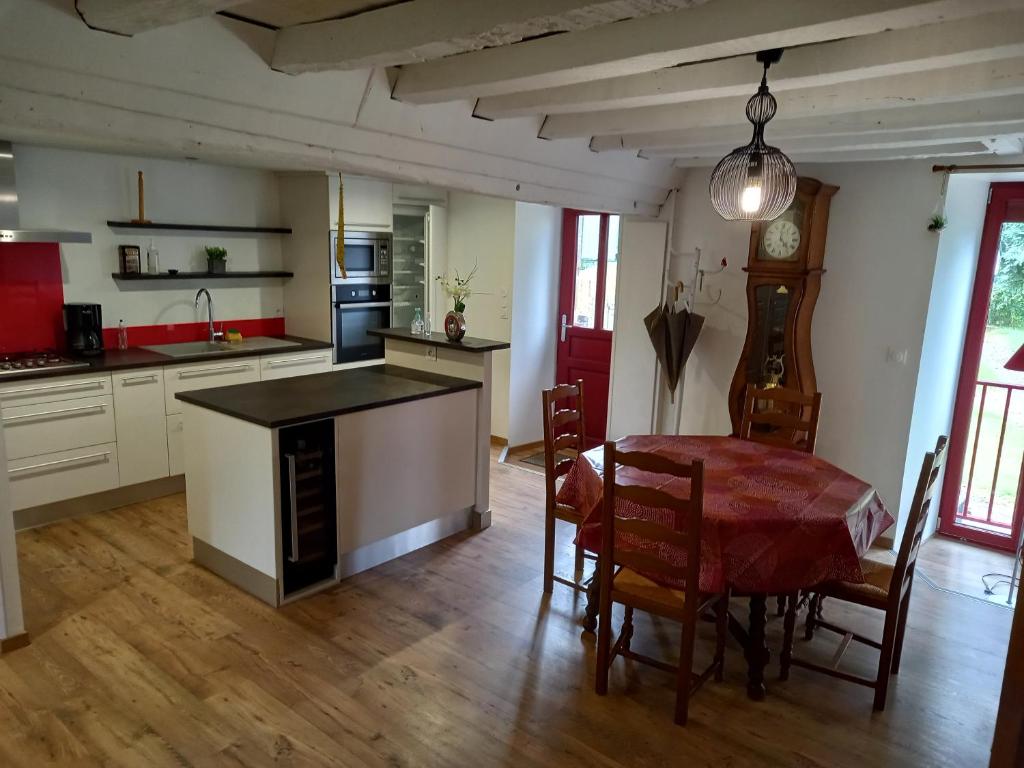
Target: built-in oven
(358,308)
(367,257)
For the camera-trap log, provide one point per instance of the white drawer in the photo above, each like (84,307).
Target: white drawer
(63,475)
(141,425)
(176,444)
(53,388)
(31,430)
(183,378)
(295,364)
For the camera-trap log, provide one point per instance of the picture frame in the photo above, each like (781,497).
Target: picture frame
(129,259)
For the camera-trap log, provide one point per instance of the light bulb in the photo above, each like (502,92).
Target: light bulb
(750,200)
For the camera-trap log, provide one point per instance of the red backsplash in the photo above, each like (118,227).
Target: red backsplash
(31,297)
(146,335)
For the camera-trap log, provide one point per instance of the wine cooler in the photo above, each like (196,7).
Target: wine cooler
(309,523)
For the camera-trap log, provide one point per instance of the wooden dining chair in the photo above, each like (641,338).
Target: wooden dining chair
(790,418)
(621,568)
(886,587)
(563,431)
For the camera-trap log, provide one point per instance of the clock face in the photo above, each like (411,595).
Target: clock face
(781,240)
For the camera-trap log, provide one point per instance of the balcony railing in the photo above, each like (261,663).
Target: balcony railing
(988,496)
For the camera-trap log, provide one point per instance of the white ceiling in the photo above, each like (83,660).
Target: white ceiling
(860,80)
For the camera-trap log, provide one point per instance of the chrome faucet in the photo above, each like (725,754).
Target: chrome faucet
(214,335)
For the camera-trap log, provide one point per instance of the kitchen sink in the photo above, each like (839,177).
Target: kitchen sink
(194,348)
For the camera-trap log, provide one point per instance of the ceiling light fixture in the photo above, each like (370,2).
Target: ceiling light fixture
(756,182)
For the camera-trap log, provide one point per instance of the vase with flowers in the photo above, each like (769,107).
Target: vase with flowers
(457,288)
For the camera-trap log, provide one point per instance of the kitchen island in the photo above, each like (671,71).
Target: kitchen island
(296,483)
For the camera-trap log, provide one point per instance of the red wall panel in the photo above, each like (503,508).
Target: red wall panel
(145,335)
(31,297)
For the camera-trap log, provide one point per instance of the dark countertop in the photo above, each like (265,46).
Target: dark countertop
(468,344)
(136,357)
(281,402)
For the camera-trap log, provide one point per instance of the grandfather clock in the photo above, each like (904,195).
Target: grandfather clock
(784,269)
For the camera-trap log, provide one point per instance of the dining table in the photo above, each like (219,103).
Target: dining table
(776,521)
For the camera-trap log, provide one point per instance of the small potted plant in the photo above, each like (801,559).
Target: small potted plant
(457,288)
(216,259)
(936,223)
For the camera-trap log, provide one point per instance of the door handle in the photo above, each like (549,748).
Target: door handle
(293,509)
(565,325)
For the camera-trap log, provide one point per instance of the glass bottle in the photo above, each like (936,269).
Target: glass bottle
(122,335)
(153,259)
(417,322)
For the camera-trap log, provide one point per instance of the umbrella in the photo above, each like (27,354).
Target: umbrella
(673,335)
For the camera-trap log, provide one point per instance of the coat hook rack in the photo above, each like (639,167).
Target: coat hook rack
(696,287)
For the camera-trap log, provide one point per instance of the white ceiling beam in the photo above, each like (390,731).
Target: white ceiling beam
(1001,110)
(431,29)
(972,81)
(714,30)
(953,43)
(1001,135)
(957,149)
(129,17)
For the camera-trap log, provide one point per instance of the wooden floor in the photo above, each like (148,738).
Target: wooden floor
(959,566)
(448,657)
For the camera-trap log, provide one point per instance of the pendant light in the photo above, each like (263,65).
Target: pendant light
(756,182)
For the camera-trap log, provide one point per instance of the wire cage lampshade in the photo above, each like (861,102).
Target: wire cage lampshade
(756,182)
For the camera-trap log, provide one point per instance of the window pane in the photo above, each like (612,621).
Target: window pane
(608,322)
(588,233)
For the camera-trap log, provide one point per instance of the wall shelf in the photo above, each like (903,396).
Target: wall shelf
(154,226)
(201,275)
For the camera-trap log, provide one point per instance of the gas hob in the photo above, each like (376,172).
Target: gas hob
(25,362)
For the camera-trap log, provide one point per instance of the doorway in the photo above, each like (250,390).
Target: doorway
(586,310)
(981,500)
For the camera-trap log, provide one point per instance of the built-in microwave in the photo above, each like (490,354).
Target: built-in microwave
(367,257)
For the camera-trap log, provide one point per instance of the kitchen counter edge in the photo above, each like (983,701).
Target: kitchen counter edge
(468,344)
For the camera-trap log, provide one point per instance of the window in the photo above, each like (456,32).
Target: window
(596,268)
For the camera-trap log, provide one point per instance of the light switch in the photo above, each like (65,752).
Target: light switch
(898,356)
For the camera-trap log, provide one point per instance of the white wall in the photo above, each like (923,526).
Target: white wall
(482,232)
(875,293)
(952,284)
(82,190)
(538,233)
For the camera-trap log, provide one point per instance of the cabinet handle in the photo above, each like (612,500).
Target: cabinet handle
(295,361)
(212,371)
(57,462)
(139,379)
(98,406)
(25,390)
(294,508)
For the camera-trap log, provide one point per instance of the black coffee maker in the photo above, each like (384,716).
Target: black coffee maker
(83,328)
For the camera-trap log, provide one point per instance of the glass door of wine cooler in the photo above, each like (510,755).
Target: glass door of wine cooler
(410,259)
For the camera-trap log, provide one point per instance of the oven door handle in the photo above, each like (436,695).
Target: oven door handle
(367,305)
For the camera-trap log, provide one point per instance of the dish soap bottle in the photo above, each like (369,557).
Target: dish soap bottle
(417,322)
(122,335)
(152,259)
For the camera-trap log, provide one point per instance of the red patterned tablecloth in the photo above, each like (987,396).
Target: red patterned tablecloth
(775,520)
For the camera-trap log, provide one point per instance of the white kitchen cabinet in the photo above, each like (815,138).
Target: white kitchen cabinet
(367,203)
(49,389)
(36,480)
(295,364)
(141,425)
(176,444)
(220,373)
(42,428)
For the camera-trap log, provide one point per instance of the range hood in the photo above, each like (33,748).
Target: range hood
(10,221)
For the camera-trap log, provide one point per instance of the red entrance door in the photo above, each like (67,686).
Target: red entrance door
(981,494)
(586,310)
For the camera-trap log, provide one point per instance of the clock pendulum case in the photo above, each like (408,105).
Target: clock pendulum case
(784,269)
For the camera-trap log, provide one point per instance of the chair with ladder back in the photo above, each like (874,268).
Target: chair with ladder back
(563,431)
(637,568)
(886,587)
(775,416)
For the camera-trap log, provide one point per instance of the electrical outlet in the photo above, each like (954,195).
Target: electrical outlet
(431,353)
